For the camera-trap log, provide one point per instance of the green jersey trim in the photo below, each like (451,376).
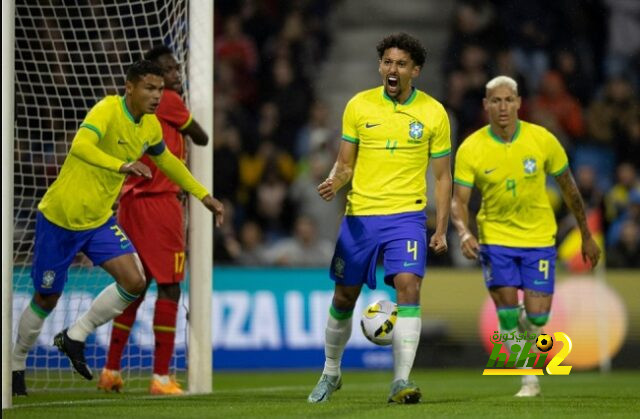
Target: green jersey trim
(350,139)
(441,153)
(500,140)
(463,183)
(126,110)
(561,171)
(92,128)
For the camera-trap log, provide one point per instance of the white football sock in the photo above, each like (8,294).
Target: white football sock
(29,329)
(336,335)
(406,337)
(106,306)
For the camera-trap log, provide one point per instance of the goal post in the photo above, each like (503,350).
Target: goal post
(67,56)
(200,352)
(7,195)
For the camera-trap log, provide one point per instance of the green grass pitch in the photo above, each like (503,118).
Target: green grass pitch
(463,393)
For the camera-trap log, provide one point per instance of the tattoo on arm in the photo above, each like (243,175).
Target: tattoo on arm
(574,200)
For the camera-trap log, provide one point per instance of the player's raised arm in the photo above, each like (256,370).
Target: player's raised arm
(571,195)
(178,173)
(341,172)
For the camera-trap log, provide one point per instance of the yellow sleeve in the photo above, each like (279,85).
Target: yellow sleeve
(464,174)
(85,147)
(350,123)
(440,145)
(98,117)
(178,173)
(557,161)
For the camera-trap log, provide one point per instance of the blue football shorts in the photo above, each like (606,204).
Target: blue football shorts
(56,247)
(521,267)
(401,238)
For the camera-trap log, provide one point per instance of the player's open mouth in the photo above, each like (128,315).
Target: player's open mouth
(392,81)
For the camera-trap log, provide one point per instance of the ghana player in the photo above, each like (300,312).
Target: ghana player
(508,161)
(75,214)
(389,135)
(160,244)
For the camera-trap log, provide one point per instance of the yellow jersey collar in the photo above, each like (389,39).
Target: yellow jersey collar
(410,99)
(123,102)
(500,140)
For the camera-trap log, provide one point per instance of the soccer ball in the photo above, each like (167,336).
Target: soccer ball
(378,320)
(544,342)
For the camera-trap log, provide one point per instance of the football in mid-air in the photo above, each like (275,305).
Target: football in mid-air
(544,342)
(378,320)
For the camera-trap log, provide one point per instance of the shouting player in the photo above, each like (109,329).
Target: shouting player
(508,161)
(389,134)
(75,214)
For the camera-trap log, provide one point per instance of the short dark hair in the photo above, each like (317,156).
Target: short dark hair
(404,42)
(141,68)
(156,52)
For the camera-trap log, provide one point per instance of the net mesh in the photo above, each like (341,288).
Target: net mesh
(68,55)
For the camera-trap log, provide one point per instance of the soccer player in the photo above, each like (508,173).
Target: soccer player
(75,214)
(508,161)
(389,134)
(160,244)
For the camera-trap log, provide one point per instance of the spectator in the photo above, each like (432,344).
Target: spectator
(558,103)
(610,117)
(317,133)
(625,253)
(304,196)
(252,251)
(617,199)
(632,213)
(305,248)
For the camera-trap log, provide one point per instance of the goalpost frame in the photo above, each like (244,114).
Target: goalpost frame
(8,27)
(200,358)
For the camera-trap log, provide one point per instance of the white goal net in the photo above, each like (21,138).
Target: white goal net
(68,55)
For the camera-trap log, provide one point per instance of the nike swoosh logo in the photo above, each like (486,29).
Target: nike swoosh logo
(407,264)
(368,125)
(486,172)
(540,282)
(125,245)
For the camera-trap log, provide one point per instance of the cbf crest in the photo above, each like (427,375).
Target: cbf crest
(530,165)
(415,130)
(48,277)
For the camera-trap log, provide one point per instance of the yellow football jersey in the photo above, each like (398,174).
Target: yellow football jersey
(82,196)
(395,142)
(511,176)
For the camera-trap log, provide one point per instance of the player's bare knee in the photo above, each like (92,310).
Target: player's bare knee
(408,292)
(344,302)
(134,283)
(46,301)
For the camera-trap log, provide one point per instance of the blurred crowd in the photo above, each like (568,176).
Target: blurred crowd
(272,139)
(576,63)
